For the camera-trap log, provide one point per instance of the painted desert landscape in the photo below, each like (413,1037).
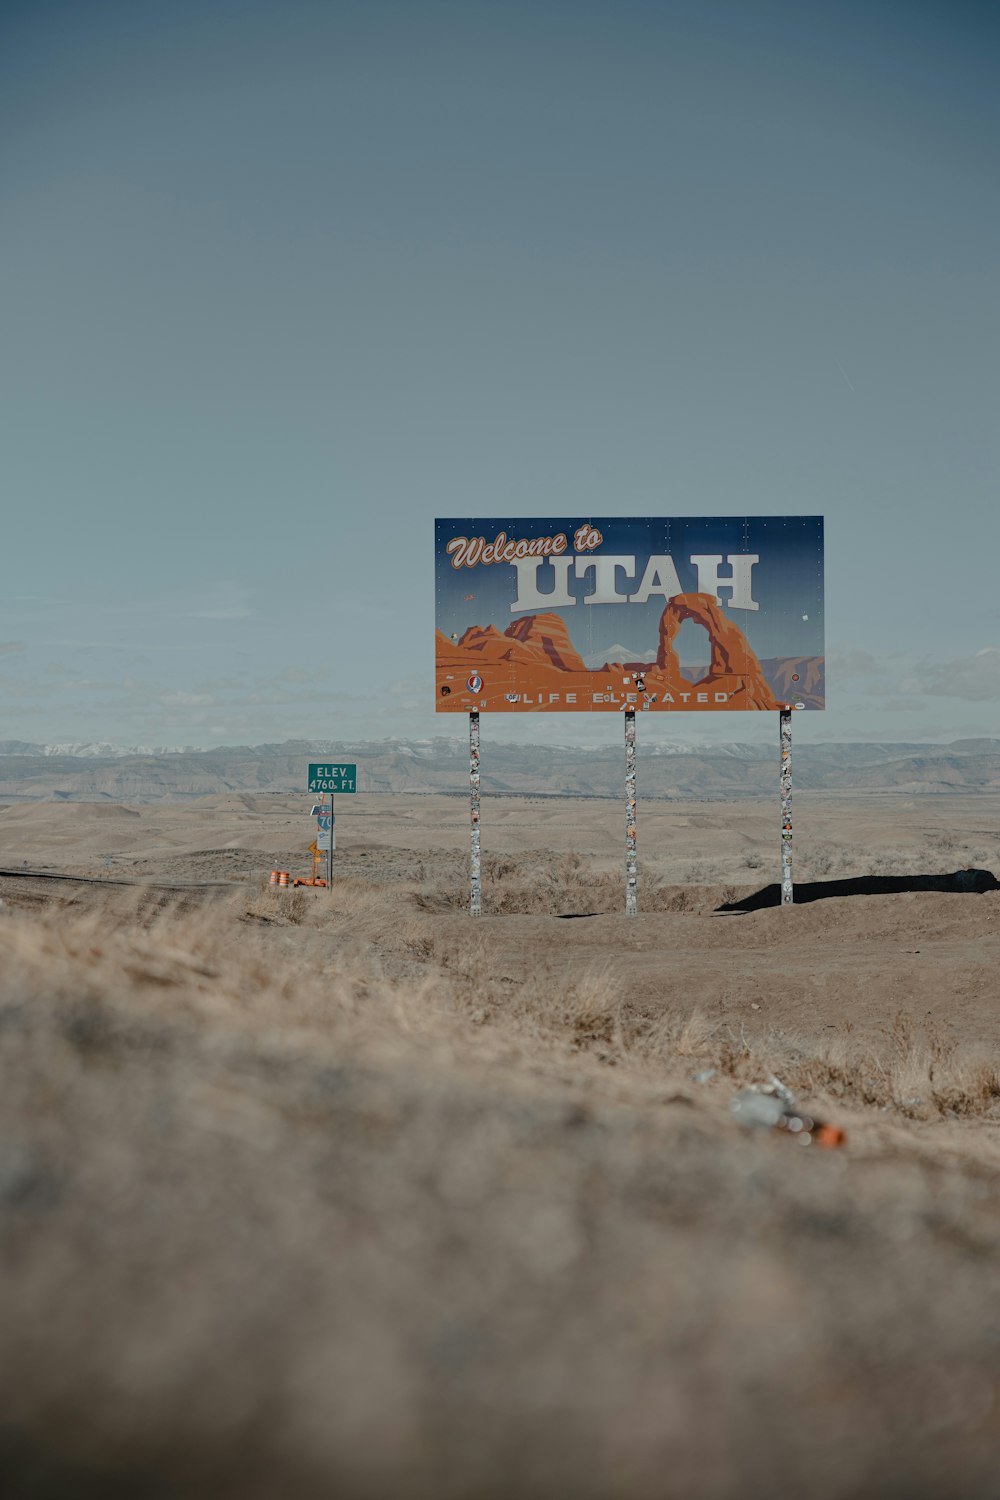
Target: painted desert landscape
(341,1192)
(534,665)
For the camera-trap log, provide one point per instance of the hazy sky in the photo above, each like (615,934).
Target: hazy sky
(282,281)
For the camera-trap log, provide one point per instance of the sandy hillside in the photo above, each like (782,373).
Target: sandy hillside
(836,833)
(345,1193)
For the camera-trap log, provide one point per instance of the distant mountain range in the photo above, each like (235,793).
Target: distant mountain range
(93,750)
(99,772)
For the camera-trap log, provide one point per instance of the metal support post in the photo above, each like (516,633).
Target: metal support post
(630,863)
(475,869)
(787,889)
(329,852)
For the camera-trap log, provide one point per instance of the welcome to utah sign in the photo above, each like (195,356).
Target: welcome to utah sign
(716,614)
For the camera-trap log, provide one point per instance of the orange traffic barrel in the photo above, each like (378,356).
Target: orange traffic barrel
(274,877)
(283,879)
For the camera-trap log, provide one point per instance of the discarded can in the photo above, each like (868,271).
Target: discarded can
(780,1112)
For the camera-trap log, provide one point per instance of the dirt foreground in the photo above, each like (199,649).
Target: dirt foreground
(313,1193)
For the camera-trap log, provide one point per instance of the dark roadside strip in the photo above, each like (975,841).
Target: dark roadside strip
(156,885)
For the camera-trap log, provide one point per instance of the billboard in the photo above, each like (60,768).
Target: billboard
(658,614)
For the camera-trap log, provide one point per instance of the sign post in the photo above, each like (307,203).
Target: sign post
(475,870)
(630,859)
(787,889)
(326,777)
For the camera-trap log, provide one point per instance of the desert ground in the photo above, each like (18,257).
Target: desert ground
(347,1193)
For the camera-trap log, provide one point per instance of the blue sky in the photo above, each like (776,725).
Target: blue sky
(281,282)
(784,581)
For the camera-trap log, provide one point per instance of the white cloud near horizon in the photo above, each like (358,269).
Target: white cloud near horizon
(897,677)
(975,678)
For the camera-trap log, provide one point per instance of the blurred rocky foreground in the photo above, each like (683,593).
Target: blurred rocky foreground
(343,1194)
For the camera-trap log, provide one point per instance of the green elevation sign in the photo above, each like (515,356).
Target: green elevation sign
(329,778)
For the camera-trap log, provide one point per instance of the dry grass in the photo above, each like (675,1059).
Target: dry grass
(847,861)
(302,1196)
